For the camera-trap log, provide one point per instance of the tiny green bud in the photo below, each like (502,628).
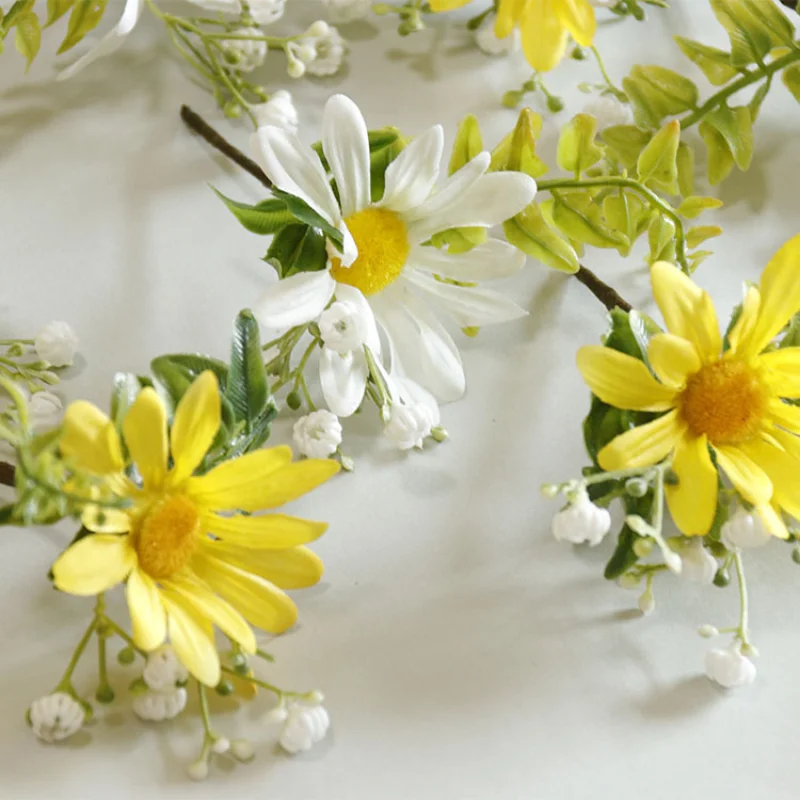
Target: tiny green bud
(293,400)
(630,581)
(636,487)
(549,490)
(511,98)
(717,549)
(224,688)
(232,109)
(555,104)
(348,465)
(722,578)
(671,478)
(126,656)
(796,555)
(578,53)
(104,694)
(707,631)
(643,547)
(530,86)
(439,434)
(750,650)
(137,686)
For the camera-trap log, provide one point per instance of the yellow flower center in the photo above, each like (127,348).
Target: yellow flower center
(167,536)
(725,400)
(383,247)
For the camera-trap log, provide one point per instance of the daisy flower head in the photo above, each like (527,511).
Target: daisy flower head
(721,401)
(386,275)
(188,559)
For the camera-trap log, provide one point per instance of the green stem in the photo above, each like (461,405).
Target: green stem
(65,684)
(204,712)
(748,78)
(118,631)
(743,600)
(12,342)
(263,684)
(618,93)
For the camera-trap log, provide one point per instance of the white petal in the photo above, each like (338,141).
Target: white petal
(349,294)
(489,261)
(490,200)
(296,170)
(411,176)
(420,346)
(349,247)
(343,380)
(346,147)
(295,300)
(467,305)
(111,42)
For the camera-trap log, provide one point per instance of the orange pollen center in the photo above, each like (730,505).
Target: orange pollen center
(726,401)
(167,535)
(383,247)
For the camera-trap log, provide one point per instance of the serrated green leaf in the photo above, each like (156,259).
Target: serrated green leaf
(247,389)
(626,143)
(685,163)
(700,233)
(84,17)
(297,248)
(657,164)
(56,9)
(715,64)
(302,212)
(467,145)
(264,218)
(529,232)
(28,36)
(736,127)
(577,149)
(693,207)
(577,216)
(791,80)
(719,156)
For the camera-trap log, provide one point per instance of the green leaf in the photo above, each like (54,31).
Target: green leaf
(693,207)
(661,237)
(658,162)
(715,64)
(685,162)
(643,328)
(658,92)
(126,389)
(18,9)
(264,218)
(626,142)
(577,150)
(84,17)
(700,233)
(467,145)
(459,240)
(195,364)
(754,28)
(173,378)
(529,232)
(758,98)
(56,9)
(385,149)
(772,19)
(719,155)
(624,557)
(530,123)
(736,126)
(297,248)
(791,80)
(579,217)
(617,213)
(304,213)
(521,156)
(247,389)
(28,36)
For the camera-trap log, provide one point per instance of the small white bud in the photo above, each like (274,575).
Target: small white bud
(155,706)
(198,770)
(647,602)
(55,717)
(277,714)
(744,531)
(673,561)
(295,68)
(305,727)
(699,565)
(729,668)
(315,697)
(279,112)
(582,522)
(242,750)
(409,425)
(707,631)
(318,434)
(306,53)
(56,343)
(221,746)
(163,670)
(549,490)
(318,28)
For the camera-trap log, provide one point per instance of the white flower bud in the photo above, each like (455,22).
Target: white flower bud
(221,746)
(329,52)
(55,717)
(707,631)
(647,602)
(318,28)
(246,54)
(608,111)
(343,327)
(305,727)
(265,12)
(56,343)
(198,770)
(277,714)
(729,668)
(242,750)
(408,425)
(318,434)
(348,10)
(294,68)
(315,698)
(744,531)
(698,564)
(159,706)
(582,522)
(306,53)
(163,670)
(279,112)
(489,42)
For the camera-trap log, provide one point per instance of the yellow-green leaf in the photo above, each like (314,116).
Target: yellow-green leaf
(522,149)
(791,79)
(693,207)
(577,149)
(700,233)
(617,214)
(576,215)
(626,142)
(56,9)
(685,162)
(698,257)
(467,145)
(529,232)
(528,119)
(85,17)
(754,28)
(658,161)
(719,155)
(736,126)
(661,237)
(657,92)
(460,240)
(715,64)
(28,36)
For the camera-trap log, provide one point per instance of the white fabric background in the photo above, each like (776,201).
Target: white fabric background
(463,652)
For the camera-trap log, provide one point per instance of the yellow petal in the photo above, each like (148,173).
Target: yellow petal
(207,605)
(105,520)
(743,328)
(90,438)
(644,445)
(258,601)
(780,298)
(438,6)
(277,488)
(196,423)
(507,16)
(746,475)
(772,521)
(235,484)
(578,18)
(622,380)
(145,430)
(268,532)
(295,568)
(687,309)
(148,617)
(192,644)
(783,469)
(693,501)
(673,359)
(544,37)
(782,371)
(94,564)
(785,415)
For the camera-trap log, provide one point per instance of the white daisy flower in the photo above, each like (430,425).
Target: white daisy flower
(386,272)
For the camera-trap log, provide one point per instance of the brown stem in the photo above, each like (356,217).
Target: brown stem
(194,121)
(7,474)
(790,4)
(608,296)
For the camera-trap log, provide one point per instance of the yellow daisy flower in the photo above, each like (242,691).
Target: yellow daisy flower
(725,403)
(544,26)
(186,565)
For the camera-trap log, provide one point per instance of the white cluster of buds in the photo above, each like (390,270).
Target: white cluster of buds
(164,675)
(582,522)
(319,51)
